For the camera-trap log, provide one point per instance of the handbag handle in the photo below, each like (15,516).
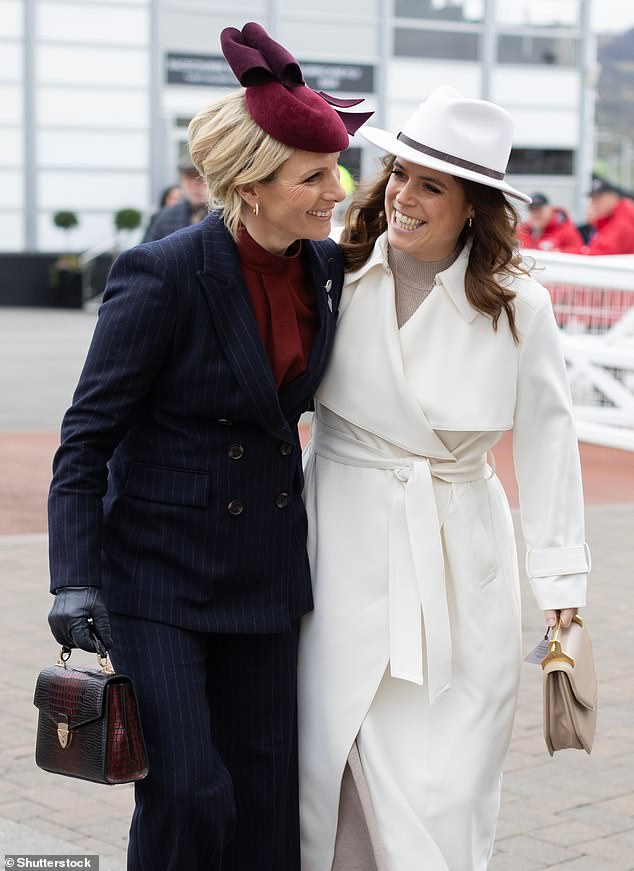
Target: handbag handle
(555,653)
(102,657)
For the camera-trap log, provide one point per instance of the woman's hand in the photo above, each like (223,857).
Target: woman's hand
(565,615)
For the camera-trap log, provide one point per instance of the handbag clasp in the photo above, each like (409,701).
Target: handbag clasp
(555,653)
(64,735)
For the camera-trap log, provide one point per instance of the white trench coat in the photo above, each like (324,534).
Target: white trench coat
(413,648)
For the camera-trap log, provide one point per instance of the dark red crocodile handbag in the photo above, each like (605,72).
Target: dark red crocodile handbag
(88,725)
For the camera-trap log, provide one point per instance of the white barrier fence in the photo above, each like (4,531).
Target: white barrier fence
(593,299)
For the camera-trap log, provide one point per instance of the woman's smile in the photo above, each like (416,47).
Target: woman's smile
(324,214)
(405,222)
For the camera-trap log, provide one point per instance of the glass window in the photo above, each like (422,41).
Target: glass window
(538,50)
(11,19)
(72,107)
(11,104)
(96,65)
(12,187)
(440,10)
(85,148)
(541,161)
(538,13)
(11,231)
(426,44)
(77,189)
(96,24)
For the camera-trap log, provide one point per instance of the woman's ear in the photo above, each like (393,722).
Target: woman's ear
(248,194)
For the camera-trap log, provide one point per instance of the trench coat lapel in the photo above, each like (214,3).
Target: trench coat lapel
(237,329)
(367,363)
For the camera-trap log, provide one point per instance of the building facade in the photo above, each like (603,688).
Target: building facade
(96,95)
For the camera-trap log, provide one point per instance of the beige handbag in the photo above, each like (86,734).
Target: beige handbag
(570,689)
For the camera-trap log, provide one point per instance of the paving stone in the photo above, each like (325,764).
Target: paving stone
(533,848)
(570,834)
(23,809)
(618,847)
(503,861)
(603,819)
(592,863)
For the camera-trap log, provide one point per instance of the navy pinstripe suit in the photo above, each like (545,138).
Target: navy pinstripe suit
(177,489)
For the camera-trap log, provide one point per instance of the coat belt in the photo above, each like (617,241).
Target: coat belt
(416,572)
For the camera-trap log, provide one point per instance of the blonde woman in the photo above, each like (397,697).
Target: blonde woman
(409,663)
(177,525)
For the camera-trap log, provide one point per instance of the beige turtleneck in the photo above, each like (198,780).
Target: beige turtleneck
(413,280)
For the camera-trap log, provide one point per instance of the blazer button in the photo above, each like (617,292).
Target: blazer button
(235,507)
(225,422)
(286,448)
(235,451)
(281,500)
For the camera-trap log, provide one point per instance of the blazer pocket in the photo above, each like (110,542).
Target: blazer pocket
(169,486)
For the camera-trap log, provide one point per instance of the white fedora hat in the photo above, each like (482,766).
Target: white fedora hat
(450,133)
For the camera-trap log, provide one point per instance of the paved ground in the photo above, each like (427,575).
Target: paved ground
(570,812)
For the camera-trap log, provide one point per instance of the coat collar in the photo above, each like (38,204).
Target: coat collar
(451,279)
(237,329)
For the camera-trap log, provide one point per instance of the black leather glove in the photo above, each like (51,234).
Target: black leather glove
(77,616)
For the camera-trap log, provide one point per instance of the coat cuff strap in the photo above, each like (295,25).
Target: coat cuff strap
(558,561)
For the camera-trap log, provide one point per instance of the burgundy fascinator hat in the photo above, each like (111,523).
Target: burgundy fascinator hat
(278,98)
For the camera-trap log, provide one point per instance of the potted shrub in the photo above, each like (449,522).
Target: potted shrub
(125,221)
(65,276)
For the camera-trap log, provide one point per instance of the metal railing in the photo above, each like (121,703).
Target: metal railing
(593,300)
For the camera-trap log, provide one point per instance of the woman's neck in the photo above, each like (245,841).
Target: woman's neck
(258,230)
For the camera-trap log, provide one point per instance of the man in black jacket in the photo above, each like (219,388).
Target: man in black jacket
(191,209)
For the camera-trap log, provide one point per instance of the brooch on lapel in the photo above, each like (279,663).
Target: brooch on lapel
(328,288)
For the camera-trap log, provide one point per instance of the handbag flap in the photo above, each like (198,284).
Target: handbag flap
(575,643)
(77,694)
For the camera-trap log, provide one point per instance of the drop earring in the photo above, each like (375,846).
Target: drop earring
(256,209)
(470,222)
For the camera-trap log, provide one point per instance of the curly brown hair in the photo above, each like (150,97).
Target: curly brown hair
(493,251)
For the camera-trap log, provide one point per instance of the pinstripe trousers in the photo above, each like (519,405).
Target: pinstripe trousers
(219,718)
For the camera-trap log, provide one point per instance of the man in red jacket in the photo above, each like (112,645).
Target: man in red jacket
(612,216)
(548,228)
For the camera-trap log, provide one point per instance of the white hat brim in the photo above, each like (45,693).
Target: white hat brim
(387,141)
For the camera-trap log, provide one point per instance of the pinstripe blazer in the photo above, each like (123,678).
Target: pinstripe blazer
(177,485)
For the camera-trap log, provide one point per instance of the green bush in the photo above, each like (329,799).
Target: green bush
(128,219)
(65,220)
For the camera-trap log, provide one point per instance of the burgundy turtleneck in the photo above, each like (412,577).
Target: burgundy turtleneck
(283,303)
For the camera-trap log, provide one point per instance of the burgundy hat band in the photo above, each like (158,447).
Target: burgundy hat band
(449,158)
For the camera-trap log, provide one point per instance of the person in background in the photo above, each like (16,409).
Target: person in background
(190,209)
(170,196)
(548,228)
(612,217)
(177,526)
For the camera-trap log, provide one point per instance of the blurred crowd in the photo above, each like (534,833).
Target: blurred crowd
(608,228)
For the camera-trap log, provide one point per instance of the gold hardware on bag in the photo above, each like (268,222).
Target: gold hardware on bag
(64,735)
(64,656)
(555,653)
(105,664)
(103,659)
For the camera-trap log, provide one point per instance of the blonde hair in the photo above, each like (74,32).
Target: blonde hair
(229,149)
